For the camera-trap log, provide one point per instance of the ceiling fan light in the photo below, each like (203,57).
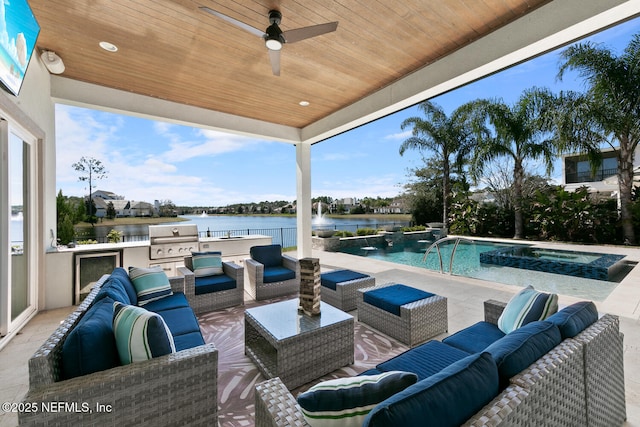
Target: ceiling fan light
(273,44)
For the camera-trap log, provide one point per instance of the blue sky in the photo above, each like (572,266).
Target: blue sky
(148,160)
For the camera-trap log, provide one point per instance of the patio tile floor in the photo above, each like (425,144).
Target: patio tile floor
(465,298)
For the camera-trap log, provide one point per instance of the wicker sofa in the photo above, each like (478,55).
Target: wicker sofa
(580,381)
(175,389)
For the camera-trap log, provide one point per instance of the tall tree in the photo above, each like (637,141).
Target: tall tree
(608,113)
(520,132)
(90,169)
(441,134)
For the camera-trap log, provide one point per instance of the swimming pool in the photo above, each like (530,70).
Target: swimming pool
(467,263)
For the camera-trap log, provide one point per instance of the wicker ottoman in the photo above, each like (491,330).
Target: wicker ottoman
(416,322)
(340,288)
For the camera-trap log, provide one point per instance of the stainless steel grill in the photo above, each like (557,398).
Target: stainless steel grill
(172,241)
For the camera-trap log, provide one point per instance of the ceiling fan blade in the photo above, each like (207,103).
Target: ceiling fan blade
(298,34)
(274,58)
(234,21)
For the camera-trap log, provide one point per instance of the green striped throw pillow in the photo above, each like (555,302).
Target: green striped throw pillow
(140,334)
(346,402)
(207,263)
(527,306)
(150,283)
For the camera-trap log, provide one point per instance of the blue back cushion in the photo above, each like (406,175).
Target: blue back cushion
(113,289)
(390,298)
(122,276)
(330,279)
(475,338)
(574,319)
(91,346)
(448,398)
(425,360)
(267,255)
(520,348)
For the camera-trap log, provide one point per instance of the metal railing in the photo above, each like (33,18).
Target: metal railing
(284,236)
(436,245)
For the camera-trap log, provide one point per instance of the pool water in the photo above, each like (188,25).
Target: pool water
(467,263)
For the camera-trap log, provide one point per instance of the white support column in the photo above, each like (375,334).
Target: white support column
(303,196)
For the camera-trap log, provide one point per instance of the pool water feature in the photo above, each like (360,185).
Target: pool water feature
(467,264)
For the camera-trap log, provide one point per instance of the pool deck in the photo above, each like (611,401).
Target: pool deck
(465,297)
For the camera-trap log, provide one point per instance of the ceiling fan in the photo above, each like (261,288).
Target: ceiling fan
(274,37)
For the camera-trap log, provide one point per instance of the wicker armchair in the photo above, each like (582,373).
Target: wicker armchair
(176,389)
(204,302)
(265,259)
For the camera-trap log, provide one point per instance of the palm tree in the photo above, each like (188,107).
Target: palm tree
(608,113)
(519,132)
(445,136)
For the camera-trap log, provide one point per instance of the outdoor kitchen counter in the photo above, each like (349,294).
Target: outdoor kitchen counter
(233,245)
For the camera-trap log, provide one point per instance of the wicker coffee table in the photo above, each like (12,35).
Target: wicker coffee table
(296,347)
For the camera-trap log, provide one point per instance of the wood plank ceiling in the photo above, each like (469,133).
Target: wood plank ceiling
(171,50)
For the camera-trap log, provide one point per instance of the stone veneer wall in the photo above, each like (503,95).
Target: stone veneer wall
(335,244)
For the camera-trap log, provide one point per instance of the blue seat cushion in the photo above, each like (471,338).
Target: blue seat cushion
(208,284)
(390,298)
(446,399)
(91,346)
(187,341)
(424,360)
(267,255)
(520,348)
(177,300)
(475,338)
(332,278)
(277,274)
(575,318)
(180,320)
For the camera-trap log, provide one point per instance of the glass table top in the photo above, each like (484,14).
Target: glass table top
(283,320)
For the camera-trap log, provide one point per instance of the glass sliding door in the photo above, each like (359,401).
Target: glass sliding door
(17,290)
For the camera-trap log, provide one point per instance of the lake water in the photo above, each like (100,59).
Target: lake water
(281,228)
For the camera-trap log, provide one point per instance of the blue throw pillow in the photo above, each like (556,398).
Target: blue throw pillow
(346,401)
(207,263)
(151,283)
(574,319)
(140,334)
(527,306)
(445,399)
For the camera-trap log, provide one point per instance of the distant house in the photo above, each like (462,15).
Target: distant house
(106,195)
(576,173)
(397,206)
(140,209)
(122,207)
(344,204)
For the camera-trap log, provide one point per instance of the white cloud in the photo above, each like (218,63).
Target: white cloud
(399,135)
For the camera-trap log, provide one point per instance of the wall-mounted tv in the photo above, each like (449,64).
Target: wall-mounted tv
(18,34)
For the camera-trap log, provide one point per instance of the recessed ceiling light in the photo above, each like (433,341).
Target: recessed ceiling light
(109,47)
(304,103)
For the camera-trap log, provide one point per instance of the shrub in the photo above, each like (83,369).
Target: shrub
(114,236)
(366,231)
(343,233)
